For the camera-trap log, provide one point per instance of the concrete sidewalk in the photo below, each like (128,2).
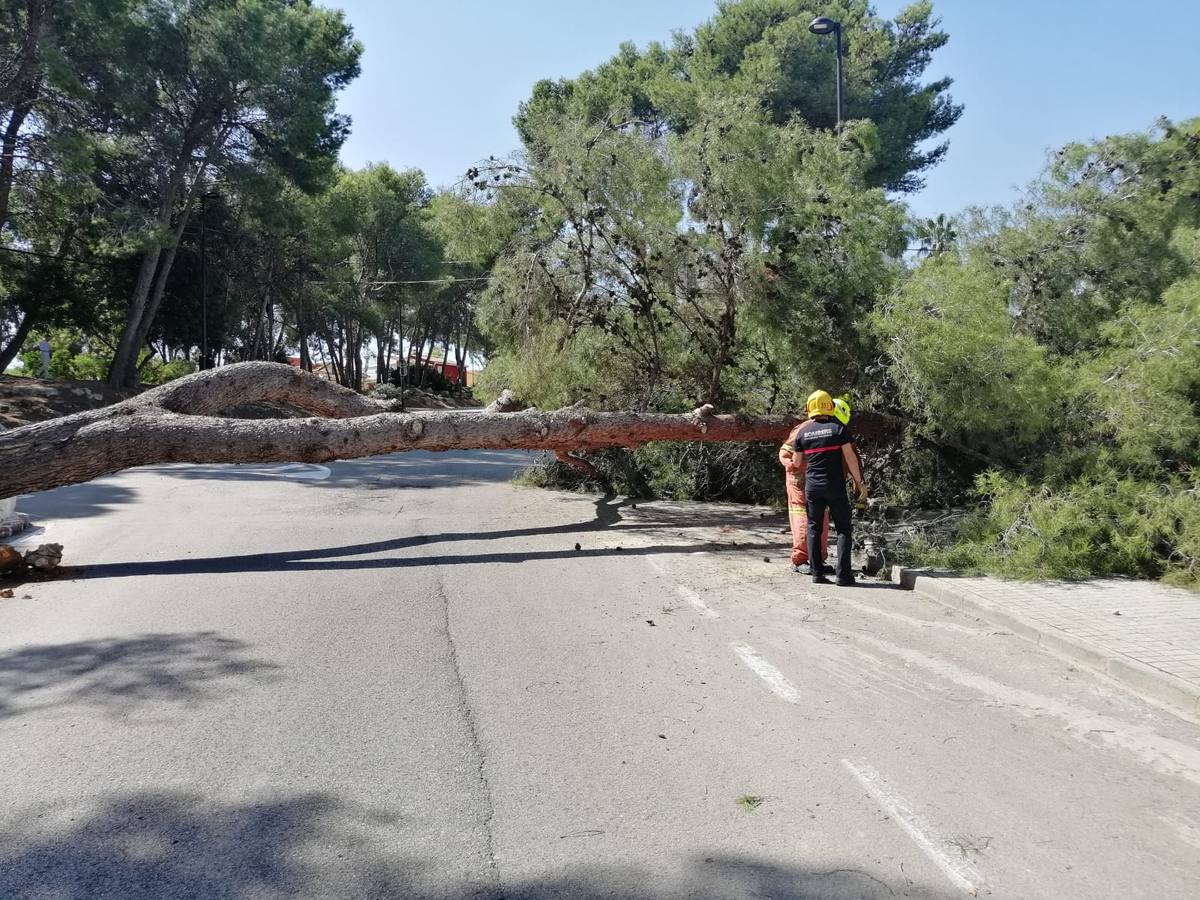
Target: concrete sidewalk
(1141,634)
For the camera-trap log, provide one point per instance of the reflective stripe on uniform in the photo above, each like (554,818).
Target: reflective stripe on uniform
(822,449)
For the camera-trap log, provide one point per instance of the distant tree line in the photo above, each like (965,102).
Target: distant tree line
(165,158)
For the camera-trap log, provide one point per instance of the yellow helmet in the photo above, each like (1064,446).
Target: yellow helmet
(841,410)
(819,404)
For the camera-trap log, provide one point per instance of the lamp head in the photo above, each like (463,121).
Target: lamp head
(824,25)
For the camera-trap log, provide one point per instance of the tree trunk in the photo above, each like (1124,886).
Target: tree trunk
(179,423)
(147,295)
(305,358)
(124,363)
(26,72)
(8,153)
(13,347)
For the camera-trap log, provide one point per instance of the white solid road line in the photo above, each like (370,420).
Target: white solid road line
(943,854)
(694,599)
(771,676)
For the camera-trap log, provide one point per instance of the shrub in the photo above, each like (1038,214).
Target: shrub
(387,392)
(1118,525)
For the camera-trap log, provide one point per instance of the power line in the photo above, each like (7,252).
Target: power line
(113,262)
(430,281)
(62,258)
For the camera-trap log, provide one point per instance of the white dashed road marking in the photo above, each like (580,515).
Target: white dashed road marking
(694,599)
(944,855)
(686,593)
(771,676)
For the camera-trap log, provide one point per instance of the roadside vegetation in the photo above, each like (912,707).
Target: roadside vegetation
(691,229)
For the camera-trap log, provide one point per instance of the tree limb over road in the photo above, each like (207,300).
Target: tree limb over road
(179,423)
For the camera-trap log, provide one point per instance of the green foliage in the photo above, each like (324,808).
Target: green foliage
(743,473)
(762,51)
(659,274)
(960,367)
(686,227)
(937,235)
(155,371)
(1059,347)
(1145,385)
(72,357)
(542,375)
(386,392)
(68,357)
(1106,525)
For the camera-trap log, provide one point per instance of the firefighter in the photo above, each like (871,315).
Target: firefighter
(793,482)
(828,453)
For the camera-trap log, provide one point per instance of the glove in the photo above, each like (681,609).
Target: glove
(862,494)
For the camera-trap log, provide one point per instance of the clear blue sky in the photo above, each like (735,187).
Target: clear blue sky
(442,80)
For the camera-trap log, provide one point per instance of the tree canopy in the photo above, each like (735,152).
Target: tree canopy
(763,52)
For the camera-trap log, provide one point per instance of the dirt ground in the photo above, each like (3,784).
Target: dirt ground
(27,400)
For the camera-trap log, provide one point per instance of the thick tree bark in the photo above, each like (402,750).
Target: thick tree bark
(13,347)
(178,422)
(28,63)
(148,292)
(122,371)
(8,155)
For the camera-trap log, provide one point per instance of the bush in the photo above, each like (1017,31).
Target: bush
(1117,525)
(157,372)
(66,359)
(959,365)
(744,473)
(427,377)
(387,392)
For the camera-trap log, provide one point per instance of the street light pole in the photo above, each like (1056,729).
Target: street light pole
(204,281)
(826,25)
(403,356)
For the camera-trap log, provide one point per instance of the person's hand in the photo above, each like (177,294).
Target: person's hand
(862,493)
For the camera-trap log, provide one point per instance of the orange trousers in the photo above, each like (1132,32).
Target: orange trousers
(798,517)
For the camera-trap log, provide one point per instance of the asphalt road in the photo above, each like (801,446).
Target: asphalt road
(398,678)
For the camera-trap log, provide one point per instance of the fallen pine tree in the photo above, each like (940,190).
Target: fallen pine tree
(180,422)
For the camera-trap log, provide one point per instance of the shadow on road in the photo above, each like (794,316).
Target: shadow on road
(77,501)
(152,845)
(415,469)
(608,520)
(119,675)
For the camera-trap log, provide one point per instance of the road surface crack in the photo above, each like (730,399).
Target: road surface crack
(477,749)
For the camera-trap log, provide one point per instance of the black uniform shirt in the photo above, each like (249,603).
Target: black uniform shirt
(821,440)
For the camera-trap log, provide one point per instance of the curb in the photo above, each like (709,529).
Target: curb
(1161,687)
